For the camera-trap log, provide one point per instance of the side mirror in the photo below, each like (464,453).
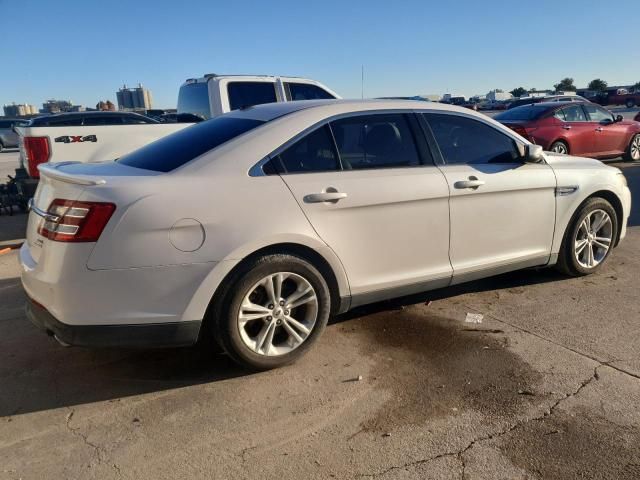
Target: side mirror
(533,154)
(619,118)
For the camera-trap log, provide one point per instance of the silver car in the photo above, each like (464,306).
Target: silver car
(251,229)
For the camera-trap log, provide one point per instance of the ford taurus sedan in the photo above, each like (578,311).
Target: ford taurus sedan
(576,128)
(251,229)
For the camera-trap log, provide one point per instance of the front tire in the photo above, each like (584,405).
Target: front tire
(559,147)
(592,233)
(633,150)
(273,310)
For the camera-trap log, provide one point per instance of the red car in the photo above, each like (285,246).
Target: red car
(583,129)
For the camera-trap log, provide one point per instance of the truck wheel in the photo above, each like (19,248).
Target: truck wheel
(589,239)
(633,150)
(631,103)
(273,310)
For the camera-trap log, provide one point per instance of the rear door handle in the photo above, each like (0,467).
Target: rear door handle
(471,183)
(332,197)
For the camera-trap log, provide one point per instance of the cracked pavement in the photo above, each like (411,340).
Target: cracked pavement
(547,386)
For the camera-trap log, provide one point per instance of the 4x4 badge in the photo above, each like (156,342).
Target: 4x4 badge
(76,139)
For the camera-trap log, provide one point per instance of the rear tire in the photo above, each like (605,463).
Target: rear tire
(263,320)
(579,238)
(559,147)
(633,150)
(630,103)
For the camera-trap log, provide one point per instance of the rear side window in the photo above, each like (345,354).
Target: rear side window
(375,141)
(247,94)
(193,99)
(463,140)
(313,153)
(559,114)
(574,113)
(305,91)
(174,150)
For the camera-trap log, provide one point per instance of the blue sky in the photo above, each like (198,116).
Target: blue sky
(84,50)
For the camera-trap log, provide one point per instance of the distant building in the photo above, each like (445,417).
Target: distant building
(57,106)
(138,98)
(19,110)
(107,106)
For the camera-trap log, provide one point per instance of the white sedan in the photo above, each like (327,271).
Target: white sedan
(254,227)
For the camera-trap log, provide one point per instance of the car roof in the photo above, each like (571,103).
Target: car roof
(270,111)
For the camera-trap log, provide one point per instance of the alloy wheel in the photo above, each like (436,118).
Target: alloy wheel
(559,148)
(278,314)
(593,238)
(635,148)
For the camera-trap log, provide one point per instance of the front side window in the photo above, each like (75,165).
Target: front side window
(463,140)
(598,114)
(172,151)
(306,91)
(574,113)
(313,153)
(375,141)
(247,94)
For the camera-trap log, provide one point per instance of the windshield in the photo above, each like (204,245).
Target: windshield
(175,150)
(193,99)
(527,112)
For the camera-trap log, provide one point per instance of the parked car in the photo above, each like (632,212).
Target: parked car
(575,128)
(551,98)
(254,227)
(198,99)
(8,137)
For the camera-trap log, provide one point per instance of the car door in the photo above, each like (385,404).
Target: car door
(576,130)
(376,200)
(502,209)
(610,137)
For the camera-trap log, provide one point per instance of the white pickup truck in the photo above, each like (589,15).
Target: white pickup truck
(199,99)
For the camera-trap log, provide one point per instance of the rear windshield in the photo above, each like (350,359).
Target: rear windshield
(180,147)
(528,112)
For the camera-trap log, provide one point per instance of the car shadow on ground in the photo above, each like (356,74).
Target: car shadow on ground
(36,373)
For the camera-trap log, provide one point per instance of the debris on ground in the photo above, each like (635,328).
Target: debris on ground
(387,434)
(354,379)
(526,392)
(474,318)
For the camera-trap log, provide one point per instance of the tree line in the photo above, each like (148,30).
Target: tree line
(566,85)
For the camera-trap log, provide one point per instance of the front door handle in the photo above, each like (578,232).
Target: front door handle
(473,183)
(332,197)
(599,129)
(567,127)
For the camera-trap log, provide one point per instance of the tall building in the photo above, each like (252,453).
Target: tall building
(137,98)
(57,106)
(20,109)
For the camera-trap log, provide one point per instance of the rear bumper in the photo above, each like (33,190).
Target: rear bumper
(148,335)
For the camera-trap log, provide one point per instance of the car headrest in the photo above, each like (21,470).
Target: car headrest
(382,139)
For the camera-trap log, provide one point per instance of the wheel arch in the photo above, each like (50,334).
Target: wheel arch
(319,255)
(615,202)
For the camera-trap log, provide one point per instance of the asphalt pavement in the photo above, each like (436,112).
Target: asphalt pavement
(547,386)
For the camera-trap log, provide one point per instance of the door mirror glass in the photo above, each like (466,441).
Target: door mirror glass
(533,154)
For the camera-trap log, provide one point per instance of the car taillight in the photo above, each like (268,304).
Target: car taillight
(73,221)
(36,151)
